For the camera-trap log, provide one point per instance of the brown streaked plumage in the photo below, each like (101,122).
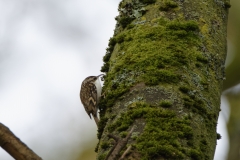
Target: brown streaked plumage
(90,95)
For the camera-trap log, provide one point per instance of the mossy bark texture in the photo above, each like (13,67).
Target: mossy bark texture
(164,71)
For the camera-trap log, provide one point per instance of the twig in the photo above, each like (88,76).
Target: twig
(113,137)
(96,120)
(125,153)
(111,150)
(119,145)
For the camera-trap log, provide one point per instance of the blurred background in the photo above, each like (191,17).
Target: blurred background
(48,47)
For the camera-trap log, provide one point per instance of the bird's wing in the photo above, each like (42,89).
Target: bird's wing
(93,99)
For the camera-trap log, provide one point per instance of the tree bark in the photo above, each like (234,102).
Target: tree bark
(164,71)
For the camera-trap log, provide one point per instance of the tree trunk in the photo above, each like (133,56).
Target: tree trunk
(164,72)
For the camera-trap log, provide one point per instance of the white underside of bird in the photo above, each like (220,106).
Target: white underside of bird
(99,89)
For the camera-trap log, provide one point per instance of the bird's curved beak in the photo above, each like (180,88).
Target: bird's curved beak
(100,75)
(102,79)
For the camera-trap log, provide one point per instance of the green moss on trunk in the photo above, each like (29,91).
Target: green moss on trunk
(164,72)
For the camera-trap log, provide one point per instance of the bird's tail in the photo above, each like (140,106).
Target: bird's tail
(96,120)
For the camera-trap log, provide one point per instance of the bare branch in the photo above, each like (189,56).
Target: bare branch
(13,145)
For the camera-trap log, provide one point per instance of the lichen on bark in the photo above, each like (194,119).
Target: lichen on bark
(164,70)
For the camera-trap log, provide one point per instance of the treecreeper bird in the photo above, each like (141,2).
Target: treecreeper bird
(90,94)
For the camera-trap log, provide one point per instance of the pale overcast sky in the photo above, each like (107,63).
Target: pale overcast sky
(47,47)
